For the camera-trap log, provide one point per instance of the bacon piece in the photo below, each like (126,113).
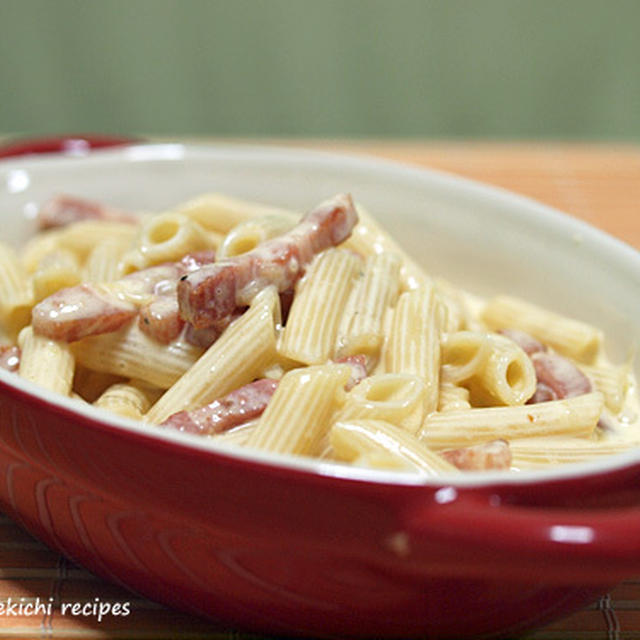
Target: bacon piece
(160,319)
(9,357)
(358,366)
(62,210)
(526,342)
(558,378)
(214,291)
(202,338)
(495,455)
(241,405)
(88,310)
(77,312)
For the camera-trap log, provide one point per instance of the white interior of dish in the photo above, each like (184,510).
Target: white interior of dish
(483,239)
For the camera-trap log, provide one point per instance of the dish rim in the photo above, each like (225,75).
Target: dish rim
(521,208)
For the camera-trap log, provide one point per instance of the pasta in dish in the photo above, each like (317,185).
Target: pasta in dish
(310,335)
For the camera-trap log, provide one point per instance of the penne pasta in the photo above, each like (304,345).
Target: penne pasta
(250,340)
(361,328)
(132,354)
(103,263)
(220,213)
(569,337)
(369,238)
(414,341)
(299,414)
(57,270)
(394,397)
(310,333)
(452,397)
(126,400)
(530,453)
(247,235)
(379,443)
(167,237)
(48,363)
(16,298)
(612,382)
(576,417)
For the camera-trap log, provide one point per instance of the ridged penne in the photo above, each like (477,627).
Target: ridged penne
(299,414)
(575,417)
(46,362)
(394,397)
(453,397)
(531,453)
(102,264)
(375,442)
(612,381)
(82,237)
(57,270)
(16,298)
(369,238)
(375,291)
(237,436)
(310,333)
(219,213)
(132,354)
(247,235)
(413,345)
(567,336)
(169,236)
(250,340)
(126,400)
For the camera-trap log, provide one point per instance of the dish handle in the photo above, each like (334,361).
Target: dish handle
(482,536)
(70,144)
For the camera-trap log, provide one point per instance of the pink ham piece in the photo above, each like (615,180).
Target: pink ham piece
(237,407)
(558,378)
(216,290)
(74,313)
(526,342)
(160,319)
(87,310)
(63,210)
(9,357)
(494,455)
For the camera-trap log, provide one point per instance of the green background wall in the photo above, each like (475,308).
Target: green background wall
(484,68)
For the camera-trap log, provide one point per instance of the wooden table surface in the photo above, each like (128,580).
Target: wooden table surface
(600,184)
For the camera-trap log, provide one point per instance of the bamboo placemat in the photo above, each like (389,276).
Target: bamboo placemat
(600,184)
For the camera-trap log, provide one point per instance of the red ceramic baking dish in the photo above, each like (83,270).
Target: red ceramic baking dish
(306,547)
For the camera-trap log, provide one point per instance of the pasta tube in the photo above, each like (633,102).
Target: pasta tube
(219,213)
(126,400)
(46,362)
(361,326)
(376,441)
(132,354)
(103,262)
(369,238)
(248,235)
(414,342)
(575,416)
(452,397)
(167,237)
(539,452)
(57,270)
(300,411)
(567,336)
(16,299)
(612,381)
(311,329)
(233,360)
(394,397)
